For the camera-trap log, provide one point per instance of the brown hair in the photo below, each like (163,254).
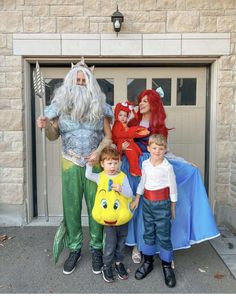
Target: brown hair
(157,139)
(109,153)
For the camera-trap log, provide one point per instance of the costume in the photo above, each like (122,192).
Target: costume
(80,134)
(194,220)
(110,207)
(158,186)
(112,210)
(121,133)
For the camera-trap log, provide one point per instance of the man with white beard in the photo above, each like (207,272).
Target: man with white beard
(79,114)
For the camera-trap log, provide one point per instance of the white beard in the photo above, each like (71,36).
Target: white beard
(82,103)
(79,103)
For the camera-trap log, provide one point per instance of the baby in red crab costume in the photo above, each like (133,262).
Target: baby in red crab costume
(123,136)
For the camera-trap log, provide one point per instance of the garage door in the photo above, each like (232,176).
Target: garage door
(185,101)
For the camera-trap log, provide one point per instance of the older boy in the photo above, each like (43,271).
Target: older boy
(158,185)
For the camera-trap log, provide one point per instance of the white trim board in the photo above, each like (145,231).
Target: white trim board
(139,45)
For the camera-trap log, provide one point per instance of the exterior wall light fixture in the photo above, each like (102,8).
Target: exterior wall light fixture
(117,18)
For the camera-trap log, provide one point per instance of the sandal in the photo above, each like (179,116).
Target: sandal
(136,255)
(172,264)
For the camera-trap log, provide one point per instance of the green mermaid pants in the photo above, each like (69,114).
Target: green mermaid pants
(74,187)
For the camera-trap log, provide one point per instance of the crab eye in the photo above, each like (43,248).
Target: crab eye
(116,205)
(104,203)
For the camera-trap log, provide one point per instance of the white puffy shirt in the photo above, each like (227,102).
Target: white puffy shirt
(158,177)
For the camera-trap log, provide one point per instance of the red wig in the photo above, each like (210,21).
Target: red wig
(158,115)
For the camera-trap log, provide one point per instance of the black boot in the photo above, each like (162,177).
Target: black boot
(145,268)
(168,274)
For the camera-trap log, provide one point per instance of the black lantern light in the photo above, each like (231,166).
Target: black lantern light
(117,18)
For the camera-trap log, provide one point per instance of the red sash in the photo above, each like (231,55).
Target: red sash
(157,195)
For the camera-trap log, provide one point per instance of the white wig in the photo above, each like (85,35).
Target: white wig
(82,103)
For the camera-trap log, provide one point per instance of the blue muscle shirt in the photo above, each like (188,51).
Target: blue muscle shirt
(78,139)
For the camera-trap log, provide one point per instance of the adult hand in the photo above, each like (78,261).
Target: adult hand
(92,158)
(125,145)
(42,121)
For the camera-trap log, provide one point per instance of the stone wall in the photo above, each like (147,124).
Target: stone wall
(93,16)
(11,125)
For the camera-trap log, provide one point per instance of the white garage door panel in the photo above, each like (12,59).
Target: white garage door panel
(188,125)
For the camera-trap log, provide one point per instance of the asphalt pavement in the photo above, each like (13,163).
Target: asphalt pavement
(26,266)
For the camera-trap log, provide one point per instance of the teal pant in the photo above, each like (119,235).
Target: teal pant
(157,228)
(74,187)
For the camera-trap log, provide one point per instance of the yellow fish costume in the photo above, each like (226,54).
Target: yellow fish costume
(110,207)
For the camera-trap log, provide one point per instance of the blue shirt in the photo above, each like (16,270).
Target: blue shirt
(78,139)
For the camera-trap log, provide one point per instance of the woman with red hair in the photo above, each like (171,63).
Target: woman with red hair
(151,114)
(194,221)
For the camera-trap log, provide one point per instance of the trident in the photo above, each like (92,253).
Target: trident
(39,90)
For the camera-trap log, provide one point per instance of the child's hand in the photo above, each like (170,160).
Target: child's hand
(134,204)
(92,158)
(172,208)
(131,115)
(116,187)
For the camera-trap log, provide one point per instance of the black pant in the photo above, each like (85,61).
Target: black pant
(115,237)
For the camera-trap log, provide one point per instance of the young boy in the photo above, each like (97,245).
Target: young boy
(158,186)
(114,235)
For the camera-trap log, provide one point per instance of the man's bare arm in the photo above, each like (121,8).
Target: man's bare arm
(51,127)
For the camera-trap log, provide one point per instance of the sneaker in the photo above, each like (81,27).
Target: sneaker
(97,261)
(107,274)
(122,272)
(70,263)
